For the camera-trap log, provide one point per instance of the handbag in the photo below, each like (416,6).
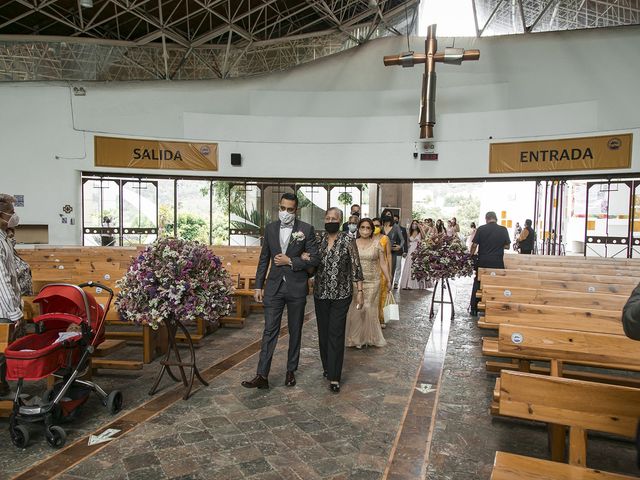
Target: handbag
(391,310)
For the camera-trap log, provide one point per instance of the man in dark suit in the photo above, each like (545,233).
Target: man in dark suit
(286,285)
(355,210)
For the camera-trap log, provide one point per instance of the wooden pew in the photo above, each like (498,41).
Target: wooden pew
(552,316)
(552,297)
(557,285)
(576,404)
(564,347)
(576,275)
(508,466)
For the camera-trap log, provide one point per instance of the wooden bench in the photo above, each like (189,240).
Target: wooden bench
(575,276)
(551,297)
(552,316)
(559,347)
(579,405)
(508,466)
(557,285)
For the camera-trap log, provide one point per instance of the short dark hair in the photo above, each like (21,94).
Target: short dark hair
(376,219)
(355,205)
(290,196)
(491,215)
(528,222)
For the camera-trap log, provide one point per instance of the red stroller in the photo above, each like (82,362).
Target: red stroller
(54,350)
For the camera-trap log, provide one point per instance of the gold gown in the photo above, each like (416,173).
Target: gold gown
(363,327)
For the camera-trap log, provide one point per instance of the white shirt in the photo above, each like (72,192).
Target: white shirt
(285,235)
(10,305)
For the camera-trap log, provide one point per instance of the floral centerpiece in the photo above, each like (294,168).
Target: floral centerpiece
(441,257)
(174,279)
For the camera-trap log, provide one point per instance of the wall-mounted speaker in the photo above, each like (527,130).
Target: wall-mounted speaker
(236,159)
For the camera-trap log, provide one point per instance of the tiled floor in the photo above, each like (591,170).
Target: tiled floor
(379,424)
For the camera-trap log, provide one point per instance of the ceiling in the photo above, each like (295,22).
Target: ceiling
(202,39)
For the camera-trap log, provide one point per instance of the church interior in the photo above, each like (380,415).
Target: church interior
(178,141)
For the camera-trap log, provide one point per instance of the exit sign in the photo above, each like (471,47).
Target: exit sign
(428,156)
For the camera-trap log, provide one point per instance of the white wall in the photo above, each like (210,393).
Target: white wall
(346,116)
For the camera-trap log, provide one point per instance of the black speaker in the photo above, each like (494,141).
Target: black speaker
(236,159)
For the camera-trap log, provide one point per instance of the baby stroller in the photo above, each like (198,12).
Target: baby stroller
(66,355)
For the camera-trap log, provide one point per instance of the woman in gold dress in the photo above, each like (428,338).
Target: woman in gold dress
(386,248)
(363,326)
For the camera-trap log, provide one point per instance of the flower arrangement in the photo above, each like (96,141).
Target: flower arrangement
(441,257)
(174,279)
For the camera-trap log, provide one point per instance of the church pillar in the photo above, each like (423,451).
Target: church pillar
(398,195)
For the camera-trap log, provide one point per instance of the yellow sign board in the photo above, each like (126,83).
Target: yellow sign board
(586,153)
(156,154)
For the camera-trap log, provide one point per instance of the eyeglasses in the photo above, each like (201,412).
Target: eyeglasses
(287,209)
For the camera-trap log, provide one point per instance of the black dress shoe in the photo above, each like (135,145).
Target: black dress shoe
(257,382)
(334,387)
(325,374)
(290,380)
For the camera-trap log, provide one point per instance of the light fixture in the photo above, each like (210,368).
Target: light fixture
(86,3)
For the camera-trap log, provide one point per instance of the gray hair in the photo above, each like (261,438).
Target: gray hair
(6,202)
(491,216)
(335,209)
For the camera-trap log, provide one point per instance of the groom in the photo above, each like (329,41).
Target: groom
(284,243)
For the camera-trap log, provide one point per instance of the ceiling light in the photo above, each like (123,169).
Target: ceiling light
(86,3)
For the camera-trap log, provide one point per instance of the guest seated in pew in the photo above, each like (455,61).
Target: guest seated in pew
(489,242)
(10,304)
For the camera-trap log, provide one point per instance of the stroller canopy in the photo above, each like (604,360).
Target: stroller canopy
(70,299)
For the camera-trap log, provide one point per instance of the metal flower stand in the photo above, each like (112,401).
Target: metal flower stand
(443,283)
(172,329)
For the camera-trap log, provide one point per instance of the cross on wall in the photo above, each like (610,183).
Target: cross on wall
(450,55)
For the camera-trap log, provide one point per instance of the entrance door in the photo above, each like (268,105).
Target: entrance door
(612,222)
(550,206)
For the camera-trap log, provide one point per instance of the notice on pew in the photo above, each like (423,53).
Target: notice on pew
(105,436)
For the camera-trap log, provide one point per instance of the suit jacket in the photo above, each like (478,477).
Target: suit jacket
(295,275)
(405,237)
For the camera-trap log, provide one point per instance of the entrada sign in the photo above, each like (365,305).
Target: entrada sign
(156,154)
(587,153)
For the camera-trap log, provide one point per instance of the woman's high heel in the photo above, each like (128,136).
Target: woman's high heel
(334,387)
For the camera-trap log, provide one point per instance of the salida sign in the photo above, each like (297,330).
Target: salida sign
(587,153)
(163,155)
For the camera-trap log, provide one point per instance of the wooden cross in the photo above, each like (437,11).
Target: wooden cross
(429,58)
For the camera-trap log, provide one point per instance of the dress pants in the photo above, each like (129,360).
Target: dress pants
(525,252)
(397,273)
(273,309)
(331,316)
(486,262)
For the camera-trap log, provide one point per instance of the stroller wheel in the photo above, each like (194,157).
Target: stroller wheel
(114,401)
(56,436)
(19,436)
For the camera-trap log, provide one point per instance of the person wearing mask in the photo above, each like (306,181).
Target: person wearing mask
(10,303)
(339,270)
(405,248)
(416,235)
(352,226)
(391,230)
(386,248)
(526,240)
(489,242)
(363,327)
(440,229)
(285,241)
(355,210)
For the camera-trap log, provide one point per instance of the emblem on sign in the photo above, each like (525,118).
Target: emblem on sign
(493,274)
(591,289)
(517,338)
(107,276)
(507,293)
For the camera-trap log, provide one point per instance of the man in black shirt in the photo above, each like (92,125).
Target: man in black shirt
(490,242)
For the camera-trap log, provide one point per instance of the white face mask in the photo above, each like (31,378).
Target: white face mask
(286,218)
(14,221)
(352,227)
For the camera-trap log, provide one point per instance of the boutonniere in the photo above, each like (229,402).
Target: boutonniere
(297,236)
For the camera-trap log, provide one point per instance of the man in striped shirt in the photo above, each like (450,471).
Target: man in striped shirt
(10,305)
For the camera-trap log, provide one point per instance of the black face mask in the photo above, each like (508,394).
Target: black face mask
(387,218)
(332,227)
